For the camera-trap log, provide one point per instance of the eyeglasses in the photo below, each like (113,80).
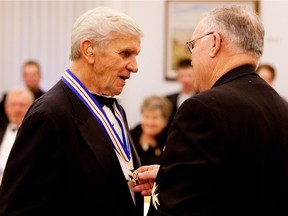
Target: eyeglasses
(191,44)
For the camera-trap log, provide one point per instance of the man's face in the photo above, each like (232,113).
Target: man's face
(200,58)
(31,76)
(16,106)
(114,64)
(185,76)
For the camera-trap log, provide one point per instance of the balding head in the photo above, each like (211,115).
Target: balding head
(17,103)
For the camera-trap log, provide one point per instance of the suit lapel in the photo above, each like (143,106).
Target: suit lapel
(99,143)
(95,136)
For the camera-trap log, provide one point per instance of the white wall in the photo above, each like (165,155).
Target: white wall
(37,30)
(41,30)
(274,16)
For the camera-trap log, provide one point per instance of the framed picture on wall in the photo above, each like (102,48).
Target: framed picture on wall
(182,16)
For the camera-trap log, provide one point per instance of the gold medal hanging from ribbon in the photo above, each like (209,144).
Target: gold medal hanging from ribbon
(133,175)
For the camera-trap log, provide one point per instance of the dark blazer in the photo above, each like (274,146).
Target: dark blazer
(152,155)
(62,163)
(227,151)
(3,116)
(3,125)
(173,99)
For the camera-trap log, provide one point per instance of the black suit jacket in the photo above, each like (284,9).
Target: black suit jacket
(3,125)
(227,151)
(62,163)
(173,99)
(150,156)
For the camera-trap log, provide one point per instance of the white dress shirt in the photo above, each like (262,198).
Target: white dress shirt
(6,145)
(124,165)
(182,97)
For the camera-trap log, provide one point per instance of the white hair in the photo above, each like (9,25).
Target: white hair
(101,25)
(241,26)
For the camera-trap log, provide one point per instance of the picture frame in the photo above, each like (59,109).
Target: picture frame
(182,16)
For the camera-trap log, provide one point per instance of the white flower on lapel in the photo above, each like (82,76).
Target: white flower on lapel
(154,196)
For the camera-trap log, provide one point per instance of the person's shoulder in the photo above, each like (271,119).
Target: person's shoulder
(3,120)
(39,93)
(136,133)
(210,99)
(3,98)
(136,129)
(54,107)
(172,97)
(207,94)
(173,94)
(55,98)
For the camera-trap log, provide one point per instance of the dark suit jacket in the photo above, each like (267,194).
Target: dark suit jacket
(173,99)
(3,125)
(227,151)
(149,157)
(62,163)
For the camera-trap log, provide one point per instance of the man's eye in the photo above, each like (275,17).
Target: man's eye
(126,53)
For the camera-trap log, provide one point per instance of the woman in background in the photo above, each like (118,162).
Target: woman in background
(150,135)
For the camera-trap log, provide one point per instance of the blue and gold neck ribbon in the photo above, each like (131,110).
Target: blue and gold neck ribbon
(121,146)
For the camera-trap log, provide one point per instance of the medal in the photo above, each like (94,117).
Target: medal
(133,175)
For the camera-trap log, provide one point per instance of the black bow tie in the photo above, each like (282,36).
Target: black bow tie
(105,101)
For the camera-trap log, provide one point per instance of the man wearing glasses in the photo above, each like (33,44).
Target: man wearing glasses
(227,149)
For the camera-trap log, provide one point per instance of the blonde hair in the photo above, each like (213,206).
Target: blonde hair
(158,102)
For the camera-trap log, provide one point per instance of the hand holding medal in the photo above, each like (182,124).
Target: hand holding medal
(144,178)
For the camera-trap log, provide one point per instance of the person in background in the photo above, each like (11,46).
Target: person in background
(31,76)
(72,154)
(185,79)
(150,135)
(17,103)
(267,72)
(227,148)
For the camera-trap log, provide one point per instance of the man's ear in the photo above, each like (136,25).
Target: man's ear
(216,45)
(87,51)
